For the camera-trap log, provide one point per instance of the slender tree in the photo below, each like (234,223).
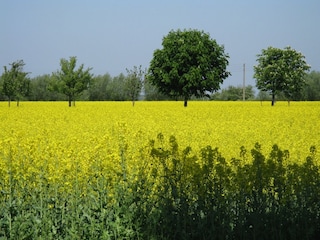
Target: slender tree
(134,83)
(71,81)
(15,81)
(189,64)
(280,70)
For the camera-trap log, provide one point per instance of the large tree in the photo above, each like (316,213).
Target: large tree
(71,81)
(134,82)
(280,70)
(189,64)
(15,82)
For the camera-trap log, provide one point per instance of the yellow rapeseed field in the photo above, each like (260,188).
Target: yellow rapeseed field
(107,170)
(65,142)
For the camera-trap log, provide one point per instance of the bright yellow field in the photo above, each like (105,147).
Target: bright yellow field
(53,136)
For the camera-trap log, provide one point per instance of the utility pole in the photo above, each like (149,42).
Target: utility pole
(244,83)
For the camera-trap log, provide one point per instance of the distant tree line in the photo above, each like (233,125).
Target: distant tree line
(108,88)
(190,65)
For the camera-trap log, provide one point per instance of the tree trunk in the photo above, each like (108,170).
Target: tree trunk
(18,102)
(185,102)
(9,101)
(70,100)
(273,99)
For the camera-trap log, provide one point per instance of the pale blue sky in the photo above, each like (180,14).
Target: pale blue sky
(113,35)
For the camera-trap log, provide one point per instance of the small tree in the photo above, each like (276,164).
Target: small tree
(189,64)
(15,82)
(134,83)
(71,81)
(280,70)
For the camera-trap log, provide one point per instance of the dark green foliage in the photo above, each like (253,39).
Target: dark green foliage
(281,71)
(189,64)
(223,200)
(173,194)
(15,83)
(71,81)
